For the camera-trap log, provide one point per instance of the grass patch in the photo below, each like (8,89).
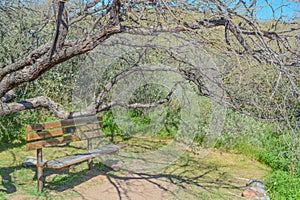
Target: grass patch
(16,180)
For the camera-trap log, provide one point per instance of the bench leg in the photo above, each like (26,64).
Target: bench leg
(90,164)
(90,147)
(40,179)
(40,170)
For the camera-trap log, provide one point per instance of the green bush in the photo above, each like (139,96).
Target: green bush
(279,153)
(12,127)
(110,128)
(282,185)
(277,149)
(241,134)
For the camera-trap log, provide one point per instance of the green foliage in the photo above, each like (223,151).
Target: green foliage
(277,152)
(141,121)
(141,118)
(277,149)
(12,127)
(101,166)
(241,133)
(262,141)
(20,31)
(172,121)
(110,128)
(283,186)
(205,112)
(57,83)
(2,197)
(169,126)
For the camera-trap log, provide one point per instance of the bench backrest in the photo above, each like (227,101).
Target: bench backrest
(64,131)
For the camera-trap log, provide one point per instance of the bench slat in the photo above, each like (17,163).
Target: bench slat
(62,123)
(77,158)
(58,132)
(61,140)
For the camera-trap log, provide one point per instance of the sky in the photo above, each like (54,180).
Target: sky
(285,8)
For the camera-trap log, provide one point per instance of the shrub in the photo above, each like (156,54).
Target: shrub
(12,127)
(282,185)
(279,152)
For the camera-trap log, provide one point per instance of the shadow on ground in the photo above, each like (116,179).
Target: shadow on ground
(217,176)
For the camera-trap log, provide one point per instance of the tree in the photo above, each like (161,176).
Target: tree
(36,36)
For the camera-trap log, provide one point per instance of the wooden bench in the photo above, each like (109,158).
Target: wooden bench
(53,133)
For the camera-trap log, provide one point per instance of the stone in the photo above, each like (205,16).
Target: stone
(255,190)
(249,193)
(30,161)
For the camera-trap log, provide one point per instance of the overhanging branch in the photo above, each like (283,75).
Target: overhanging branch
(37,102)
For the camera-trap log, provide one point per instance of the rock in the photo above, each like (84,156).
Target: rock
(249,193)
(30,161)
(255,190)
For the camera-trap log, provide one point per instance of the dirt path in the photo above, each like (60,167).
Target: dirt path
(130,186)
(217,176)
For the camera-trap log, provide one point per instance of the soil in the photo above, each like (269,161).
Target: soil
(217,176)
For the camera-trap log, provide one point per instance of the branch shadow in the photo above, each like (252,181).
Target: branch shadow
(119,180)
(7,182)
(181,182)
(183,176)
(72,179)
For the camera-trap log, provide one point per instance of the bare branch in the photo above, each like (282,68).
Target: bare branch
(9,96)
(62,25)
(37,102)
(43,64)
(138,105)
(107,88)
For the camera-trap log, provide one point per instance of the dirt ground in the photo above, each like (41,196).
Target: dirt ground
(217,176)
(130,186)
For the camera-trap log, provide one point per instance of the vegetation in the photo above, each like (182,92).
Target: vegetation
(283,186)
(63,59)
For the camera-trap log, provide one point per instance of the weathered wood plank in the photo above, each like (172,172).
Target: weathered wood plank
(77,158)
(63,123)
(57,132)
(61,140)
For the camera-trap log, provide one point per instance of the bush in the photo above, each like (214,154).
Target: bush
(241,134)
(110,128)
(282,185)
(277,149)
(12,127)
(279,153)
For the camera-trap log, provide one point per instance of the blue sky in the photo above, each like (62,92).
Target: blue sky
(281,7)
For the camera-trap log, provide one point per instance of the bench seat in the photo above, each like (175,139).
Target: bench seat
(80,157)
